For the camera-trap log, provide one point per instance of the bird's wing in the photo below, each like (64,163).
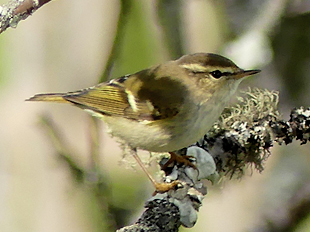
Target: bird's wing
(131,96)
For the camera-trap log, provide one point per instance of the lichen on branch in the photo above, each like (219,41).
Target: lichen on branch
(14,11)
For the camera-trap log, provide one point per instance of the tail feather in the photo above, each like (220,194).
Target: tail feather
(52,97)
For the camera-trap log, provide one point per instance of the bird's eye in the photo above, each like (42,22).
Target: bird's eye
(216,74)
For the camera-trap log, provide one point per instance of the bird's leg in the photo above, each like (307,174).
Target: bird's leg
(180,159)
(160,187)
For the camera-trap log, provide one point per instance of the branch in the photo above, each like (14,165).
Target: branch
(242,137)
(161,215)
(245,133)
(16,10)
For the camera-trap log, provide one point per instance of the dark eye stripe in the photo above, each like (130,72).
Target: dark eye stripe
(217,74)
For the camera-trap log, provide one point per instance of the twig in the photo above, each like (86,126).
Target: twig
(16,10)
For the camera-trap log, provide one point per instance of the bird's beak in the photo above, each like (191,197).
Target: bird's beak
(245,73)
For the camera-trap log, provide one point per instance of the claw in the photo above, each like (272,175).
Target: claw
(165,187)
(174,158)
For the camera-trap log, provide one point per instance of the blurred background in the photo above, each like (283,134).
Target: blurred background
(73,180)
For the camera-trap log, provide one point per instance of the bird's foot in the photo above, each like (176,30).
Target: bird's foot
(179,159)
(164,187)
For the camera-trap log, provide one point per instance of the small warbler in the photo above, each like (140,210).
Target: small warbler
(165,107)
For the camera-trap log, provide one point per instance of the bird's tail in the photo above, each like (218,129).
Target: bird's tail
(52,97)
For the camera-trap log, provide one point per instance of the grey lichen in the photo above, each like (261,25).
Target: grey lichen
(242,136)
(160,215)
(188,197)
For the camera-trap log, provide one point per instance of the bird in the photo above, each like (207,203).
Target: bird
(163,108)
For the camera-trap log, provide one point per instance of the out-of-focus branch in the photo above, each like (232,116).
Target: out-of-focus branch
(169,16)
(295,211)
(121,25)
(62,149)
(16,10)
(93,177)
(94,138)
